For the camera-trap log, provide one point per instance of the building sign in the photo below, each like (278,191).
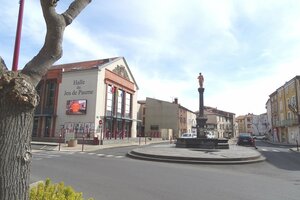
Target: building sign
(80,88)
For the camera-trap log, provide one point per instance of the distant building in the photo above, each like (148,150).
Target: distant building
(241,124)
(221,123)
(284,108)
(250,123)
(97,97)
(260,124)
(269,118)
(157,115)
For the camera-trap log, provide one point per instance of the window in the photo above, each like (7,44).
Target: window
(47,127)
(50,94)
(35,127)
(120,103)
(109,100)
(39,91)
(128,105)
(293,100)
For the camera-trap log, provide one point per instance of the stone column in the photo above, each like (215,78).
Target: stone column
(201,119)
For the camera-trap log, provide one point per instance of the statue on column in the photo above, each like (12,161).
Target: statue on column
(201,80)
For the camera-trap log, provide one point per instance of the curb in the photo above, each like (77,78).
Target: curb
(294,150)
(195,160)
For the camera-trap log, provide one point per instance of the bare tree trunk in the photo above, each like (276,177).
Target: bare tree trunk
(18,99)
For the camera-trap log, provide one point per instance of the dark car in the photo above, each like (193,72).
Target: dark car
(245,139)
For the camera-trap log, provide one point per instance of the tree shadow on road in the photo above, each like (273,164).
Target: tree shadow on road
(283,160)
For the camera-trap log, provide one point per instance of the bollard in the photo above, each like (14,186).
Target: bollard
(59,142)
(82,143)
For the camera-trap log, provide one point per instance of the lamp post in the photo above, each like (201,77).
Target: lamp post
(18,37)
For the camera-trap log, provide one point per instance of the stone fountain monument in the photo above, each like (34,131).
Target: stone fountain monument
(201,119)
(201,141)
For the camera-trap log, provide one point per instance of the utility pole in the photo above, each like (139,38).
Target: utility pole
(18,37)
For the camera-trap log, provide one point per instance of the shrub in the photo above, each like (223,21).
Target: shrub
(50,191)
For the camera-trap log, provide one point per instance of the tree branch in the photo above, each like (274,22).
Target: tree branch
(52,48)
(74,10)
(3,67)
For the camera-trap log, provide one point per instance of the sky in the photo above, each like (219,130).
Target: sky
(246,49)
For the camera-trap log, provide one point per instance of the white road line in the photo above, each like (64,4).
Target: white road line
(275,150)
(100,155)
(264,149)
(47,155)
(109,156)
(120,157)
(91,153)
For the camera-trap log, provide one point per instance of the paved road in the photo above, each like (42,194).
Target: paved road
(280,156)
(108,175)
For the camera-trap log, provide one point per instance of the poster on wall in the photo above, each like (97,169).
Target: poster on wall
(76,107)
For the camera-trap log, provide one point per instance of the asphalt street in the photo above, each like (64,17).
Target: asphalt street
(108,174)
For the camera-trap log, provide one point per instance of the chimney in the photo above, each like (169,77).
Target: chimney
(175,100)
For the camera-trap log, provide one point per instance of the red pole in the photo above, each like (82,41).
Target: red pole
(18,37)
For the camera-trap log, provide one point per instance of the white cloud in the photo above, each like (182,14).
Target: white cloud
(245,49)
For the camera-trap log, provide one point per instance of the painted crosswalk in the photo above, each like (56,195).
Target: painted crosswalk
(271,150)
(51,154)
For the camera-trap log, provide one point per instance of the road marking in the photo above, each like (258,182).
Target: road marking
(40,156)
(119,156)
(275,150)
(264,149)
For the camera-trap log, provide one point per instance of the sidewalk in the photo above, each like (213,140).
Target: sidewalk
(38,146)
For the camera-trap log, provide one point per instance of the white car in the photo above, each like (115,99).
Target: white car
(188,135)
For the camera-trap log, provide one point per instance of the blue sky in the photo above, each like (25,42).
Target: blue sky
(245,49)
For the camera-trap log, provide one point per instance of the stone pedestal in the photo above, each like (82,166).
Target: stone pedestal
(202,143)
(201,122)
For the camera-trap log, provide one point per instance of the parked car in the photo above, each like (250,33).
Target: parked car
(245,139)
(188,135)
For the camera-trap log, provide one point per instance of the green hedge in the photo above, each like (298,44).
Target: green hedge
(50,191)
